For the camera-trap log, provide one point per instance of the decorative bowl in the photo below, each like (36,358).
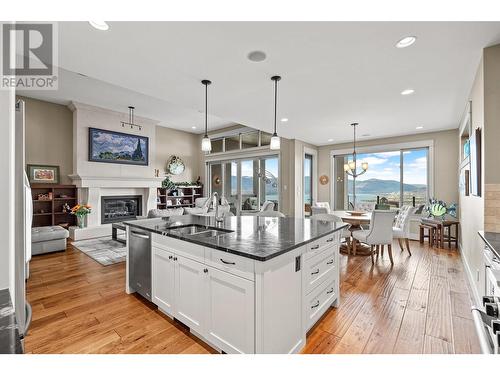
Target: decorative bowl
(356,213)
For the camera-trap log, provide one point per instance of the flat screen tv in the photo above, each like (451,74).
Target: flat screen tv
(106,146)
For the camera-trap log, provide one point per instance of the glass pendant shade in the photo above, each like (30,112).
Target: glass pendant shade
(364,165)
(352,165)
(275,142)
(206,144)
(346,167)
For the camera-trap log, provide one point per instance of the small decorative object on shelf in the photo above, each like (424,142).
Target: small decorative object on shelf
(45,197)
(66,208)
(438,209)
(80,211)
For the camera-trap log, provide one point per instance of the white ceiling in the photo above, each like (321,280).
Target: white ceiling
(334,73)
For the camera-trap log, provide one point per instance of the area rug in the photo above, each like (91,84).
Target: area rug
(104,250)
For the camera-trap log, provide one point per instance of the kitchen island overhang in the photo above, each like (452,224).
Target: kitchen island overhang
(246,285)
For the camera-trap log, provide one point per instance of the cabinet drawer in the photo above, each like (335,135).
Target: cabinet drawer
(319,301)
(179,247)
(231,263)
(319,268)
(319,245)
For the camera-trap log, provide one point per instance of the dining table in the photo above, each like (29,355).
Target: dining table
(356,220)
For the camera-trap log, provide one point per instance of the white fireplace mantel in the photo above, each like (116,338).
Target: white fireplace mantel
(116,182)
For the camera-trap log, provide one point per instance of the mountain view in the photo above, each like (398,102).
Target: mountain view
(376,186)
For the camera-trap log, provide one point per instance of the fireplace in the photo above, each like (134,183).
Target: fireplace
(120,208)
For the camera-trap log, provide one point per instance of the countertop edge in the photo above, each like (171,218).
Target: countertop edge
(482,234)
(236,252)
(10,341)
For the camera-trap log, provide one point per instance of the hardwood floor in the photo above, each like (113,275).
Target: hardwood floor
(420,305)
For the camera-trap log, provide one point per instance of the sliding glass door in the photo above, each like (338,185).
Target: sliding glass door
(246,183)
(393,179)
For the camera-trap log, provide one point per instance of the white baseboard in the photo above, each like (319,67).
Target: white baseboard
(470,278)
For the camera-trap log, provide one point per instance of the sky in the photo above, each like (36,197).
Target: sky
(385,166)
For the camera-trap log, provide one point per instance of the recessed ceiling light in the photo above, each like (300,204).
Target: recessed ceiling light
(406,41)
(407,92)
(99,25)
(256,56)
(284,119)
(330,140)
(419,127)
(193,127)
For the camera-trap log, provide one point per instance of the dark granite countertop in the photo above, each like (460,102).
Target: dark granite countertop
(10,342)
(259,238)
(492,240)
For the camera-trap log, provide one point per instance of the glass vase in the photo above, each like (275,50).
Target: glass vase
(81,221)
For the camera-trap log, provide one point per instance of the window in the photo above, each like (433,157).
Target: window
(308,188)
(393,179)
(246,183)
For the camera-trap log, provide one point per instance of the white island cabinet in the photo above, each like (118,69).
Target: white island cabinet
(241,305)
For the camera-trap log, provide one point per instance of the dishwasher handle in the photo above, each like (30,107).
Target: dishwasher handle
(139,235)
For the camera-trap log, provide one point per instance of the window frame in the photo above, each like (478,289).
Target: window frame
(429,144)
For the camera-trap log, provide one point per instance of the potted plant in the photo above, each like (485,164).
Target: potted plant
(80,211)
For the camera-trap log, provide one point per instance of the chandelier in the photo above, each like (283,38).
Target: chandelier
(351,166)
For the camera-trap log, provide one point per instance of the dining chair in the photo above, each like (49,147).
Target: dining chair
(320,208)
(365,206)
(345,234)
(379,233)
(267,206)
(270,214)
(401,228)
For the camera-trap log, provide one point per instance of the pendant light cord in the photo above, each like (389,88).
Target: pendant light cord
(275,104)
(206,109)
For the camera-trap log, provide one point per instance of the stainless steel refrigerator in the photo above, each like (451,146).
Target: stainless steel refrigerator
(23,219)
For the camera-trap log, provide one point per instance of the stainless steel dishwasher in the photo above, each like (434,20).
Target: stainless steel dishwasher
(140,262)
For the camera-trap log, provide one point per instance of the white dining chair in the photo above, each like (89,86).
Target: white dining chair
(267,206)
(345,234)
(270,214)
(365,206)
(320,208)
(379,233)
(401,228)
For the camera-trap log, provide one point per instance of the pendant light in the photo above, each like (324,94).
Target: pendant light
(275,140)
(351,168)
(206,144)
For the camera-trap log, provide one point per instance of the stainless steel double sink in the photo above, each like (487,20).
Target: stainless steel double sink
(198,231)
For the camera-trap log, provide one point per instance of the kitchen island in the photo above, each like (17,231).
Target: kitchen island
(245,285)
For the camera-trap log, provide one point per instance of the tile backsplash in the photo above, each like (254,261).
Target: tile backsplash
(492,208)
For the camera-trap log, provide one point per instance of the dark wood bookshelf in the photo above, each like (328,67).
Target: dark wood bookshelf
(181,196)
(48,212)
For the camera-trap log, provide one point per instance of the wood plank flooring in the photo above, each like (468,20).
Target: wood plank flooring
(419,305)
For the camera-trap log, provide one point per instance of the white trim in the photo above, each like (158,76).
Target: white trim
(470,277)
(314,177)
(386,148)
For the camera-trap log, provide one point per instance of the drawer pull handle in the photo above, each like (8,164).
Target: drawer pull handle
(330,262)
(226,262)
(329,240)
(205,270)
(315,305)
(175,258)
(170,257)
(315,272)
(315,247)
(330,291)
